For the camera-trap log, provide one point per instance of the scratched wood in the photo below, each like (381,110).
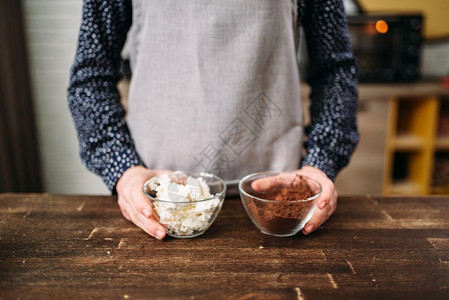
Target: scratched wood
(81,247)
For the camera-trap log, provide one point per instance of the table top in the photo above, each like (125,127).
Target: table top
(81,247)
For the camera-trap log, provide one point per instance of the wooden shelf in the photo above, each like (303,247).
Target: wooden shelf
(417,141)
(441,190)
(406,187)
(409,142)
(442,143)
(409,158)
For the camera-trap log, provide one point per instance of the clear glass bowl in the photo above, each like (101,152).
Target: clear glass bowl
(186,219)
(278,210)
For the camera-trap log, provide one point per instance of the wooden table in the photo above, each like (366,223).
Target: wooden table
(80,247)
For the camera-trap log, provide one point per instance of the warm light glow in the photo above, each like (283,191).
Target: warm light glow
(381,26)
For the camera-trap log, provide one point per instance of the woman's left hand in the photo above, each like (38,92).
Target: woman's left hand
(326,202)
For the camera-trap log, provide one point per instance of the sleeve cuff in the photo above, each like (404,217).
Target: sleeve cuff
(118,163)
(319,158)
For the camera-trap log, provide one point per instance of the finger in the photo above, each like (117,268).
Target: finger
(124,208)
(327,191)
(321,215)
(266,183)
(263,184)
(147,225)
(139,203)
(150,226)
(143,212)
(327,187)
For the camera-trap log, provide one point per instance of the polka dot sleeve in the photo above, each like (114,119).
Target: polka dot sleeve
(106,147)
(332,135)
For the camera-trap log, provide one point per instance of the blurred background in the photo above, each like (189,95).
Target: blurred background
(402,47)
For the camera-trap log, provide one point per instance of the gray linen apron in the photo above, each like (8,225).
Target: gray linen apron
(215,86)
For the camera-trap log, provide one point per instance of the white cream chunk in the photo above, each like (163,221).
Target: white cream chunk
(182,214)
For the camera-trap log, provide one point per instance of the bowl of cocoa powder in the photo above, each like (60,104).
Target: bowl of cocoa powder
(279,203)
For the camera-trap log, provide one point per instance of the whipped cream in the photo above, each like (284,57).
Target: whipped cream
(182,214)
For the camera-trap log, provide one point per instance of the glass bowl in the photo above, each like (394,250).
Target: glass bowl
(182,207)
(279,203)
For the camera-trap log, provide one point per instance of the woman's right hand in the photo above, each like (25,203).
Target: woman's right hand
(133,204)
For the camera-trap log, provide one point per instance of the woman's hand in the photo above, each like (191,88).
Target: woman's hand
(133,204)
(326,203)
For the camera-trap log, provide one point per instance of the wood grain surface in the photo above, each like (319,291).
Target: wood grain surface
(81,247)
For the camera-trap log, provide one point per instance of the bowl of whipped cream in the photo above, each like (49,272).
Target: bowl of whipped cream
(185,203)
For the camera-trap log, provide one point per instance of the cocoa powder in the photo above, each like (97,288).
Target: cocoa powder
(285,213)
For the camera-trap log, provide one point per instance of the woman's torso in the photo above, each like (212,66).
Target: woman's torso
(215,86)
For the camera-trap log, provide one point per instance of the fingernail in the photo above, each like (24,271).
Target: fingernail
(310,228)
(146,213)
(255,186)
(264,184)
(322,205)
(159,234)
(261,184)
